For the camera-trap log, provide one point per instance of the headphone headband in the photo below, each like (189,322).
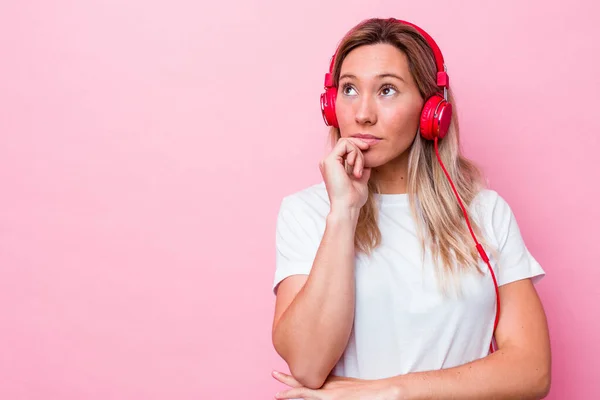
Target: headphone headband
(442,75)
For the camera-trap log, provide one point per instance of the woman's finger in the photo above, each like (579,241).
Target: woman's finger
(366,173)
(342,150)
(351,158)
(346,145)
(298,393)
(358,142)
(286,379)
(357,157)
(358,165)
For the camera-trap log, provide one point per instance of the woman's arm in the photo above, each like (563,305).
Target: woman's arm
(519,369)
(314,314)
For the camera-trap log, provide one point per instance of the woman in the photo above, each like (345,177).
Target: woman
(384,288)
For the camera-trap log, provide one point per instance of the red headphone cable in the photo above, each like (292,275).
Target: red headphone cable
(478,245)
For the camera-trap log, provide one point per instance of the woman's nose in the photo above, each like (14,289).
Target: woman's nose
(365,112)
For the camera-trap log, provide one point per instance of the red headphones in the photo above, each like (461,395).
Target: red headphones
(437,111)
(435,120)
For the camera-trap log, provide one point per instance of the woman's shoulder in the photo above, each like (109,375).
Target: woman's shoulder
(493,212)
(499,224)
(303,214)
(311,196)
(312,199)
(489,201)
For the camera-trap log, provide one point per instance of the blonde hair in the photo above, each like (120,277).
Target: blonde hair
(438,216)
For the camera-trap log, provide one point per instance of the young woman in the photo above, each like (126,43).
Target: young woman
(385,290)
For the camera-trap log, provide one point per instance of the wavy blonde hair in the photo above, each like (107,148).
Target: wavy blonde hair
(439,218)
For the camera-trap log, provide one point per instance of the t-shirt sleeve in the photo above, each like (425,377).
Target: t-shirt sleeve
(515,262)
(297,239)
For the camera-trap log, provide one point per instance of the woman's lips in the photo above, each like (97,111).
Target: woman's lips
(370,139)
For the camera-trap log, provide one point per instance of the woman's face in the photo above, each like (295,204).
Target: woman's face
(377,96)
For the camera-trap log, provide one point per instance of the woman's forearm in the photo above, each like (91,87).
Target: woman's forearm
(506,374)
(314,330)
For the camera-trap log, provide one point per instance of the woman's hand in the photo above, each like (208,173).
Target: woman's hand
(339,388)
(345,174)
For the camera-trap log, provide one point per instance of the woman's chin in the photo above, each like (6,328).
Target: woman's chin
(372,162)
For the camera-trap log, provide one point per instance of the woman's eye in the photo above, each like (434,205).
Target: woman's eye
(347,89)
(388,91)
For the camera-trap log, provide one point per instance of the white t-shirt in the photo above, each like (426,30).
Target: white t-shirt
(403,323)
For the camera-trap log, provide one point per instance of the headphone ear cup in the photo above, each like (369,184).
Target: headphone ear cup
(328,106)
(444,116)
(435,118)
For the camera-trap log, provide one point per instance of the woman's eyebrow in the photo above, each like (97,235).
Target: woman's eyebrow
(389,75)
(380,76)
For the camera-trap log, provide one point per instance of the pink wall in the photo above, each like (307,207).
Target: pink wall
(145,146)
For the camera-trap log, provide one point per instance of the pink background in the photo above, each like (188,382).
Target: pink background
(145,147)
